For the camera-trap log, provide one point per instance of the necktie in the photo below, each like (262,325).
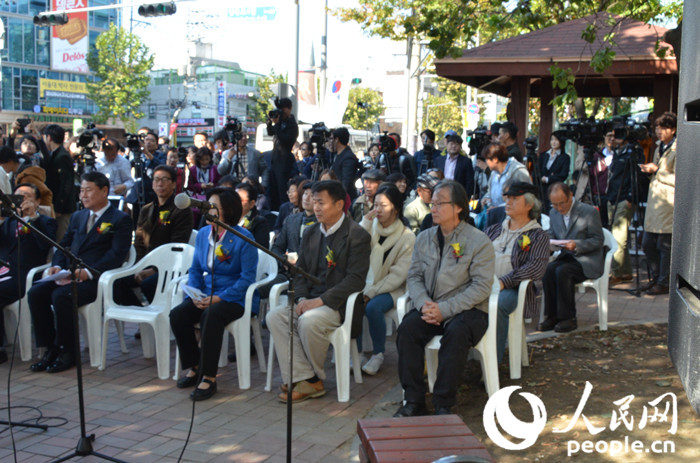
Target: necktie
(91,221)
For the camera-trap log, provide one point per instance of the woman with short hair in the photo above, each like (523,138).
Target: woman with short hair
(230,265)
(522,253)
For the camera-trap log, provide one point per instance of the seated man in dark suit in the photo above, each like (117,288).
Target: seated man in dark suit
(100,235)
(576,230)
(33,250)
(336,251)
(159,223)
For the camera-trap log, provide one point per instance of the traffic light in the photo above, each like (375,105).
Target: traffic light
(49,18)
(157,9)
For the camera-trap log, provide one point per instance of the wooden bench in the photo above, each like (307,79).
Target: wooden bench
(417,439)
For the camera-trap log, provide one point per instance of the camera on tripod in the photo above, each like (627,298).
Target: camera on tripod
(627,128)
(233,129)
(133,142)
(386,143)
(319,134)
(587,132)
(87,141)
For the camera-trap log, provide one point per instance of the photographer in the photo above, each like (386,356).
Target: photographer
(620,203)
(425,158)
(507,136)
(33,250)
(343,161)
(242,160)
(115,167)
(31,149)
(658,222)
(282,125)
(60,177)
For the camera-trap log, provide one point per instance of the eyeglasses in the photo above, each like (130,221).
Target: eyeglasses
(440,204)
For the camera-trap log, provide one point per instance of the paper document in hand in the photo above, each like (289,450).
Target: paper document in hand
(60,275)
(192,292)
(561,243)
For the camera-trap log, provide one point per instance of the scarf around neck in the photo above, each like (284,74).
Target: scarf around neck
(392,235)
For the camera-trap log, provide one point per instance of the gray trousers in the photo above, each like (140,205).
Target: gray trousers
(311,334)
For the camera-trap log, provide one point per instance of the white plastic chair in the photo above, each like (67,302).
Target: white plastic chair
(92,313)
(193,238)
(600,284)
(486,348)
(24,336)
(117,201)
(240,329)
(343,346)
(517,342)
(173,260)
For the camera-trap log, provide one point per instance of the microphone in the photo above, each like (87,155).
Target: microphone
(182,201)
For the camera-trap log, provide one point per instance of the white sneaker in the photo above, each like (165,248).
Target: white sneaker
(373,364)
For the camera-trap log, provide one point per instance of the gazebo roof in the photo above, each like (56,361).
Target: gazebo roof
(491,66)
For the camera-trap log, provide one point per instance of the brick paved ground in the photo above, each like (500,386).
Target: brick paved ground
(140,418)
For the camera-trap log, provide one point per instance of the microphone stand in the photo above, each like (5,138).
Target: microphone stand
(293,271)
(84,447)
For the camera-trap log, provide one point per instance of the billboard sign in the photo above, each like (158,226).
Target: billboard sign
(69,42)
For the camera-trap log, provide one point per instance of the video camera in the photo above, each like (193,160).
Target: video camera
(627,128)
(277,112)
(479,138)
(87,137)
(234,129)
(133,142)
(386,143)
(319,134)
(586,132)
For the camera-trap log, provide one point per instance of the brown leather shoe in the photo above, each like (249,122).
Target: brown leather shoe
(621,279)
(657,290)
(304,390)
(283,388)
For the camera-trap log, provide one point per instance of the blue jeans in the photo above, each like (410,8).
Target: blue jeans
(374,311)
(507,302)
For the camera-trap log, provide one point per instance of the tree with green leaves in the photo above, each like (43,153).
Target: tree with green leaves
(120,63)
(364,108)
(266,95)
(448,26)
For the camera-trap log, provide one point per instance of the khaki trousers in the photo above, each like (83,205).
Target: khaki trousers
(311,331)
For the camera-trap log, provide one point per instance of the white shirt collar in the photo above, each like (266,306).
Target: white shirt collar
(99,213)
(333,228)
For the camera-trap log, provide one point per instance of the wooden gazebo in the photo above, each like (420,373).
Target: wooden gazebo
(518,68)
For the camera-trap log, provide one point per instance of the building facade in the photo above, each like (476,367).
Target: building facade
(44,73)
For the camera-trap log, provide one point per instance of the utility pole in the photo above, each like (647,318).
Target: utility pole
(324,54)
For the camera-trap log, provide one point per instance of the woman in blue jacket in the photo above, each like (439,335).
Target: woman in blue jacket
(233,264)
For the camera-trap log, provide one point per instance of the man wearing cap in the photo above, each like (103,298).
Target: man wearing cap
(455,163)
(575,230)
(364,203)
(416,210)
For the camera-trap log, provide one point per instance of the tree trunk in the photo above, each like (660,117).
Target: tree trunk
(580,108)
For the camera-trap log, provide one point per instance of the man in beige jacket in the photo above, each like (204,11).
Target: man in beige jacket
(658,222)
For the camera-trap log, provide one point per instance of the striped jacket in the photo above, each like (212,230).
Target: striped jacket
(527,264)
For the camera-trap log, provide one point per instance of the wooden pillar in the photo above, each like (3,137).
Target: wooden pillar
(519,96)
(663,94)
(546,113)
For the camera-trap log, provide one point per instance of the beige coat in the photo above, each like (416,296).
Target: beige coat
(392,277)
(659,213)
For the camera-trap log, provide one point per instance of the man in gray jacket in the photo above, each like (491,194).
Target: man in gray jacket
(242,161)
(449,282)
(576,231)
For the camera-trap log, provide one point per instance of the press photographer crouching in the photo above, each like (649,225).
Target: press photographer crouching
(33,250)
(658,222)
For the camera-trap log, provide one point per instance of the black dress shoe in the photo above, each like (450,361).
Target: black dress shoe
(565,326)
(411,409)
(46,360)
(203,394)
(443,411)
(187,381)
(547,325)
(657,290)
(62,363)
